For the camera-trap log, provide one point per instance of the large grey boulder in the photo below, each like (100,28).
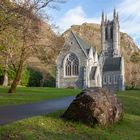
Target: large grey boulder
(95,105)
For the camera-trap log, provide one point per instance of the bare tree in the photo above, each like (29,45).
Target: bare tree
(9,50)
(27,22)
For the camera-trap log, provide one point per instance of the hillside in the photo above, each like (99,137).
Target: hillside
(49,44)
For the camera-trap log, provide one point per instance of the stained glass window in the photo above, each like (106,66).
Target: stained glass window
(71,65)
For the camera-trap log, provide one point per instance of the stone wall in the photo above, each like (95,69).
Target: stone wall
(112,81)
(71,46)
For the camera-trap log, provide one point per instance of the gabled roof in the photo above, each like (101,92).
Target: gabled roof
(84,45)
(92,73)
(112,64)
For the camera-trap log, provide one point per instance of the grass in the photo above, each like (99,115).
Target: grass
(52,127)
(29,95)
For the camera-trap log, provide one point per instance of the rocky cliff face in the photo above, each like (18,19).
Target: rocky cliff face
(91,34)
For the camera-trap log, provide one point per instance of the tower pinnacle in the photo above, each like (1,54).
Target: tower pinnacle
(102,16)
(114,13)
(110,35)
(117,16)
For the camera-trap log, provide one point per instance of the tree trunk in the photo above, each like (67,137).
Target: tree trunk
(5,80)
(17,78)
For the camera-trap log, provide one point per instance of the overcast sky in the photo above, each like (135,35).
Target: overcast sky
(80,11)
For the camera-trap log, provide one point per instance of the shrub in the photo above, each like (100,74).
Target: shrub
(25,77)
(50,82)
(35,78)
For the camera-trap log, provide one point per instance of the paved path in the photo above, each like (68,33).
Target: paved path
(17,112)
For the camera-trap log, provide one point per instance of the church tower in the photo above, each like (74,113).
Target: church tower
(110,36)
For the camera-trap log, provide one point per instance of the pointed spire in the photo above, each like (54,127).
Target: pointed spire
(102,17)
(117,16)
(114,13)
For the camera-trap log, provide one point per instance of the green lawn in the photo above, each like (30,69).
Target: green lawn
(52,127)
(28,95)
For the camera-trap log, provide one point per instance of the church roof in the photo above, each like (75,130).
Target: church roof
(112,64)
(92,73)
(84,45)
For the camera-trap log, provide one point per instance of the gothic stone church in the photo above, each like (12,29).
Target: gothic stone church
(80,66)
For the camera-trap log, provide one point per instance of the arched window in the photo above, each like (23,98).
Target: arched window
(106,33)
(111,33)
(71,65)
(115,79)
(104,79)
(109,79)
